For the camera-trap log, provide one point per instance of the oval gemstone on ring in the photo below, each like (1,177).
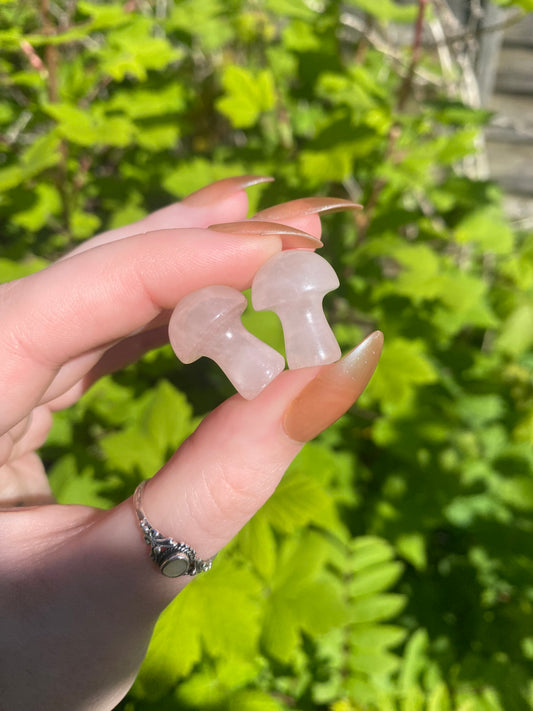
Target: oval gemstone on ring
(175,566)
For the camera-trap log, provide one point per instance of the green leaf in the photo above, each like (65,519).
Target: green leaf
(374,663)
(376,608)
(46,202)
(197,173)
(90,127)
(291,8)
(412,546)
(162,424)
(439,699)
(143,103)
(304,597)
(376,637)
(179,641)
(334,164)
(133,51)
(314,607)
(518,491)
(418,278)
(208,22)
(368,551)
(480,410)
(103,16)
(10,270)
(516,334)
(42,154)
(488,229)
(247,95)
(402,370)
(375,579)
(83,224)
(254,700)
(386,10)
(71,486)
(258,545)
(10,177)
(300,500)
(413,661)
(301,36)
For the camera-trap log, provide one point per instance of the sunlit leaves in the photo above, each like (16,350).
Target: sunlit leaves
(155,100)
(303,599)
(404,367)
(91,127)
(247,95)
(180,639)
(207,23)
(42,154)
(386,10)
(195,173)
(488,229)
(133,51)
(162,423)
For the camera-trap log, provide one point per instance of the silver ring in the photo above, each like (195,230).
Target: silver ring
(173,558)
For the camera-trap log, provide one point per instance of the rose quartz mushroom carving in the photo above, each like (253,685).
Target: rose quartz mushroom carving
(208,323)
(293,284)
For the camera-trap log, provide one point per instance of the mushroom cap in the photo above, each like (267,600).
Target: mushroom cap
(199,315)
(289,276)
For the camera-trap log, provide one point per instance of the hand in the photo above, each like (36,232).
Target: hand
(79,592)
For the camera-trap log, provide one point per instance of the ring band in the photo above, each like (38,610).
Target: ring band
(173,558)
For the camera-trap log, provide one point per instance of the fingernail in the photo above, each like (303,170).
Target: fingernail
(306,206)
(333,391)
(223,188)
(291,238)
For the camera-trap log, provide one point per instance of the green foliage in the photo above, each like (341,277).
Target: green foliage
(392,568)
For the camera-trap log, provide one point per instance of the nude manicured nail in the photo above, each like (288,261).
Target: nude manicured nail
(291,237)
(333,391)
(306,206)
(223,188)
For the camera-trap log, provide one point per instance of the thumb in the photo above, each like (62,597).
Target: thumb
(90,592)
(232,464)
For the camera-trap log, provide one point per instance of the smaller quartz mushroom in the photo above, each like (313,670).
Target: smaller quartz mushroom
(208,323)
(293,285)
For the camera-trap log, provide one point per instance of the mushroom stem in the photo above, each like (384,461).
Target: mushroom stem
(248,363)
(309,339)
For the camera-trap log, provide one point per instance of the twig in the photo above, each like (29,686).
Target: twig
(416,50)
(50,52)
(363,219)
(373,37)
(51,58)
(476,33)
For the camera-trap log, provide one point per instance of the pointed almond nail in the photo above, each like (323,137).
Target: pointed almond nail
(306,206)
(223,188)
(291,238)
(333,391)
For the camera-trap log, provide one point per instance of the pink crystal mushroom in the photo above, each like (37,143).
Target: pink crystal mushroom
(293,285)
(208,323)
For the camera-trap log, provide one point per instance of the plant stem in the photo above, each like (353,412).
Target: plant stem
(51,61)
(416,51)
(363,219)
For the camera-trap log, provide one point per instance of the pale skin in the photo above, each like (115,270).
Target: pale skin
(79,592)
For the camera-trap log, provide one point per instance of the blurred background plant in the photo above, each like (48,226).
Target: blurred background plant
(393,569)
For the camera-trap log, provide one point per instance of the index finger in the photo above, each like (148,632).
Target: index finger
(104,294)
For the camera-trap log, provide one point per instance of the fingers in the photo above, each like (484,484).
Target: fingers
(290,216)
(226,198)
(231,465)
(23,482)
(222,201)
(93,299)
